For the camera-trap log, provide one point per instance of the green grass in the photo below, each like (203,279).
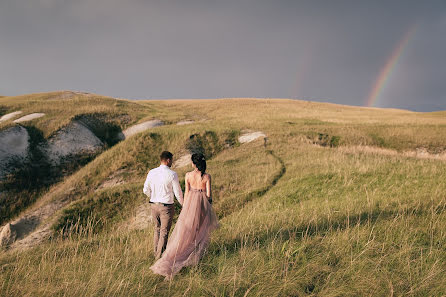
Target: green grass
(297,217)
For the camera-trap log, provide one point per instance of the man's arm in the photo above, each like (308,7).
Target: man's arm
(146,188)
(176,188)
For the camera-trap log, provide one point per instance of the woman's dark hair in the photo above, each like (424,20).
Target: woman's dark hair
(200,162)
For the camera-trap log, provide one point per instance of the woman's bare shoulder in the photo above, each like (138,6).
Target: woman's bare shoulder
(189,174)
(207,176)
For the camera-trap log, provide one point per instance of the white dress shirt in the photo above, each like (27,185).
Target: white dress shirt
(161,184)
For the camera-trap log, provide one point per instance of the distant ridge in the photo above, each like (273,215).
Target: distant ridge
(67,94)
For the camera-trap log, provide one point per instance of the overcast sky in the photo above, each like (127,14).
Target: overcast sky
(330,51)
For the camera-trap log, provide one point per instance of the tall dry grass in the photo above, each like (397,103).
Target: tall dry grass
(296,218)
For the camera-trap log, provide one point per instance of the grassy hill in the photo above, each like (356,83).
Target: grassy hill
(340,201)
(105,116)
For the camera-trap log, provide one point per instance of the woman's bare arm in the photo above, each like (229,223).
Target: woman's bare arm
(208,187)
(186,185)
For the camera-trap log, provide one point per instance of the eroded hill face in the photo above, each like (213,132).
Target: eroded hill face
(46,137)
(316,194)
(13,149)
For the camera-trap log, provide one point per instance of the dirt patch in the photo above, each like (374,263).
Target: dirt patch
(141,219)
(250,136)
(29,117)
(140,128)
(33,239)
(185,122)
(111,183)
(9,116)
(34,226)
(420,153)
(183,161)
(7,235)
(113,180)
(367,149)
(423,153)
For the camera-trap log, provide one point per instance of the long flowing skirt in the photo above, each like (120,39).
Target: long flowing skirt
(190,236)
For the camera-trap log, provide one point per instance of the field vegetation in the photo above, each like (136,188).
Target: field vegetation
(335,202)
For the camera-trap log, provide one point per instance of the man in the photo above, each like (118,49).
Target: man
(161,185)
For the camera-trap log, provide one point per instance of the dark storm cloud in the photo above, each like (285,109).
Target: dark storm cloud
(314,50)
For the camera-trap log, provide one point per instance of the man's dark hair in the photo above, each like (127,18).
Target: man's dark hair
(166,155)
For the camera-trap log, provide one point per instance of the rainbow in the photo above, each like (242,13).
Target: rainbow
(303,68)
(388,68)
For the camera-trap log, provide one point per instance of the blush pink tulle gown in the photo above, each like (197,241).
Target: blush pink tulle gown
(190,236)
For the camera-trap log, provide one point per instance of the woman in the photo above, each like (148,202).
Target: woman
(197,219)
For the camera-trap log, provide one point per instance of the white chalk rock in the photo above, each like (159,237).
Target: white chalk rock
(140,128)
(9,116)
(29,117)
(14,143)
(73,139)
(7,235)
(248,137)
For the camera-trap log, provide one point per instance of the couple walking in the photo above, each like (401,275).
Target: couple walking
(197,219)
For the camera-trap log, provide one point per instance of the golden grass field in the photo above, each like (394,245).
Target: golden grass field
(337,203)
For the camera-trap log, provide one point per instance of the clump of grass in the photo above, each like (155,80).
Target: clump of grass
(377,140)
(231,139)
(3,109)
(324,139)
(210,143)
(206,144)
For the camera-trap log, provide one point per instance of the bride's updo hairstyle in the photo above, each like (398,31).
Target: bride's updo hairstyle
(200,162)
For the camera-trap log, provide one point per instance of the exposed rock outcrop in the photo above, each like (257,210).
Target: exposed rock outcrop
(139,128)
(250,136)
(14,144)
(7,235)
(29,117)
(71,140)
(9,116)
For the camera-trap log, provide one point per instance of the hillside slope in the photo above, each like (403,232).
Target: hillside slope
(56,134)
(335,201)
